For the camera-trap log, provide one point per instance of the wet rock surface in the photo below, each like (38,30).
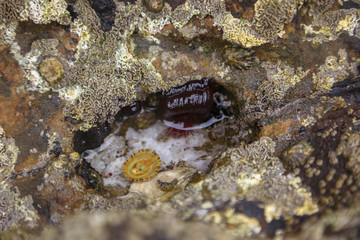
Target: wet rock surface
(80,74)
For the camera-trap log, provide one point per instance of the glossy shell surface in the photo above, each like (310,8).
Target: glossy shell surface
(189,103)
(142,165)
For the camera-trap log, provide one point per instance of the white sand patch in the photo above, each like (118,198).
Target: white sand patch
(112,154)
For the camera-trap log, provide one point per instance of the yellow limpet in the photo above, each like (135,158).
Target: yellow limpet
(143,164)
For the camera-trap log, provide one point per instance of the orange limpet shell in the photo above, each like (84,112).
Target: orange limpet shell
(142,165)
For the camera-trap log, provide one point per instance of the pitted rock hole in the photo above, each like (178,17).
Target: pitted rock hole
(175,124)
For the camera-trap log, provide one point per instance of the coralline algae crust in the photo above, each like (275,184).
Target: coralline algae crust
(332,24)
(333,70)
(100,60)
(252,172)
(43,11)
(8,155)
(239,31)
(15,209)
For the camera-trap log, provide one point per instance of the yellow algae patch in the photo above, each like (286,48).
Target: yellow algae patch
(239,31)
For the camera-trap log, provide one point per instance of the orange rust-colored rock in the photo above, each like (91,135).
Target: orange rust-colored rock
(32,162)
(13,114)
(29,117)
(12,104)
(248,13)
(58,124)
(175,65)
(277,128)
(11,71)
(169,29)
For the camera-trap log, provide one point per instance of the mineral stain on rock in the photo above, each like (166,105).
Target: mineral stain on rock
(4,87)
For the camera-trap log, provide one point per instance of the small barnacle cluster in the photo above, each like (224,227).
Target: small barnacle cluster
(239,57)
(349,149)
(333,70)
(297,155)
(328,161)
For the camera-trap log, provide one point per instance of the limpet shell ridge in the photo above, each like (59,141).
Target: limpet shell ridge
(142,165)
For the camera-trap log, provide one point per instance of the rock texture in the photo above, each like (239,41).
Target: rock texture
(284,163)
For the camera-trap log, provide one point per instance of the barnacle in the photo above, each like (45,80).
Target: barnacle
(281,78)
(143,164)
(333,70)
(154,5)
(239,57)
(297,154)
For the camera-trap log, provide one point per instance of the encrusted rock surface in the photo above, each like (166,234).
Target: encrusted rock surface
(285,163)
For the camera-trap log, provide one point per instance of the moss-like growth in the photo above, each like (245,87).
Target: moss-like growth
(9,10)
(280,79)
(44,11)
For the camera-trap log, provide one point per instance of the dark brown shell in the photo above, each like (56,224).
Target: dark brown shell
(190,103)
